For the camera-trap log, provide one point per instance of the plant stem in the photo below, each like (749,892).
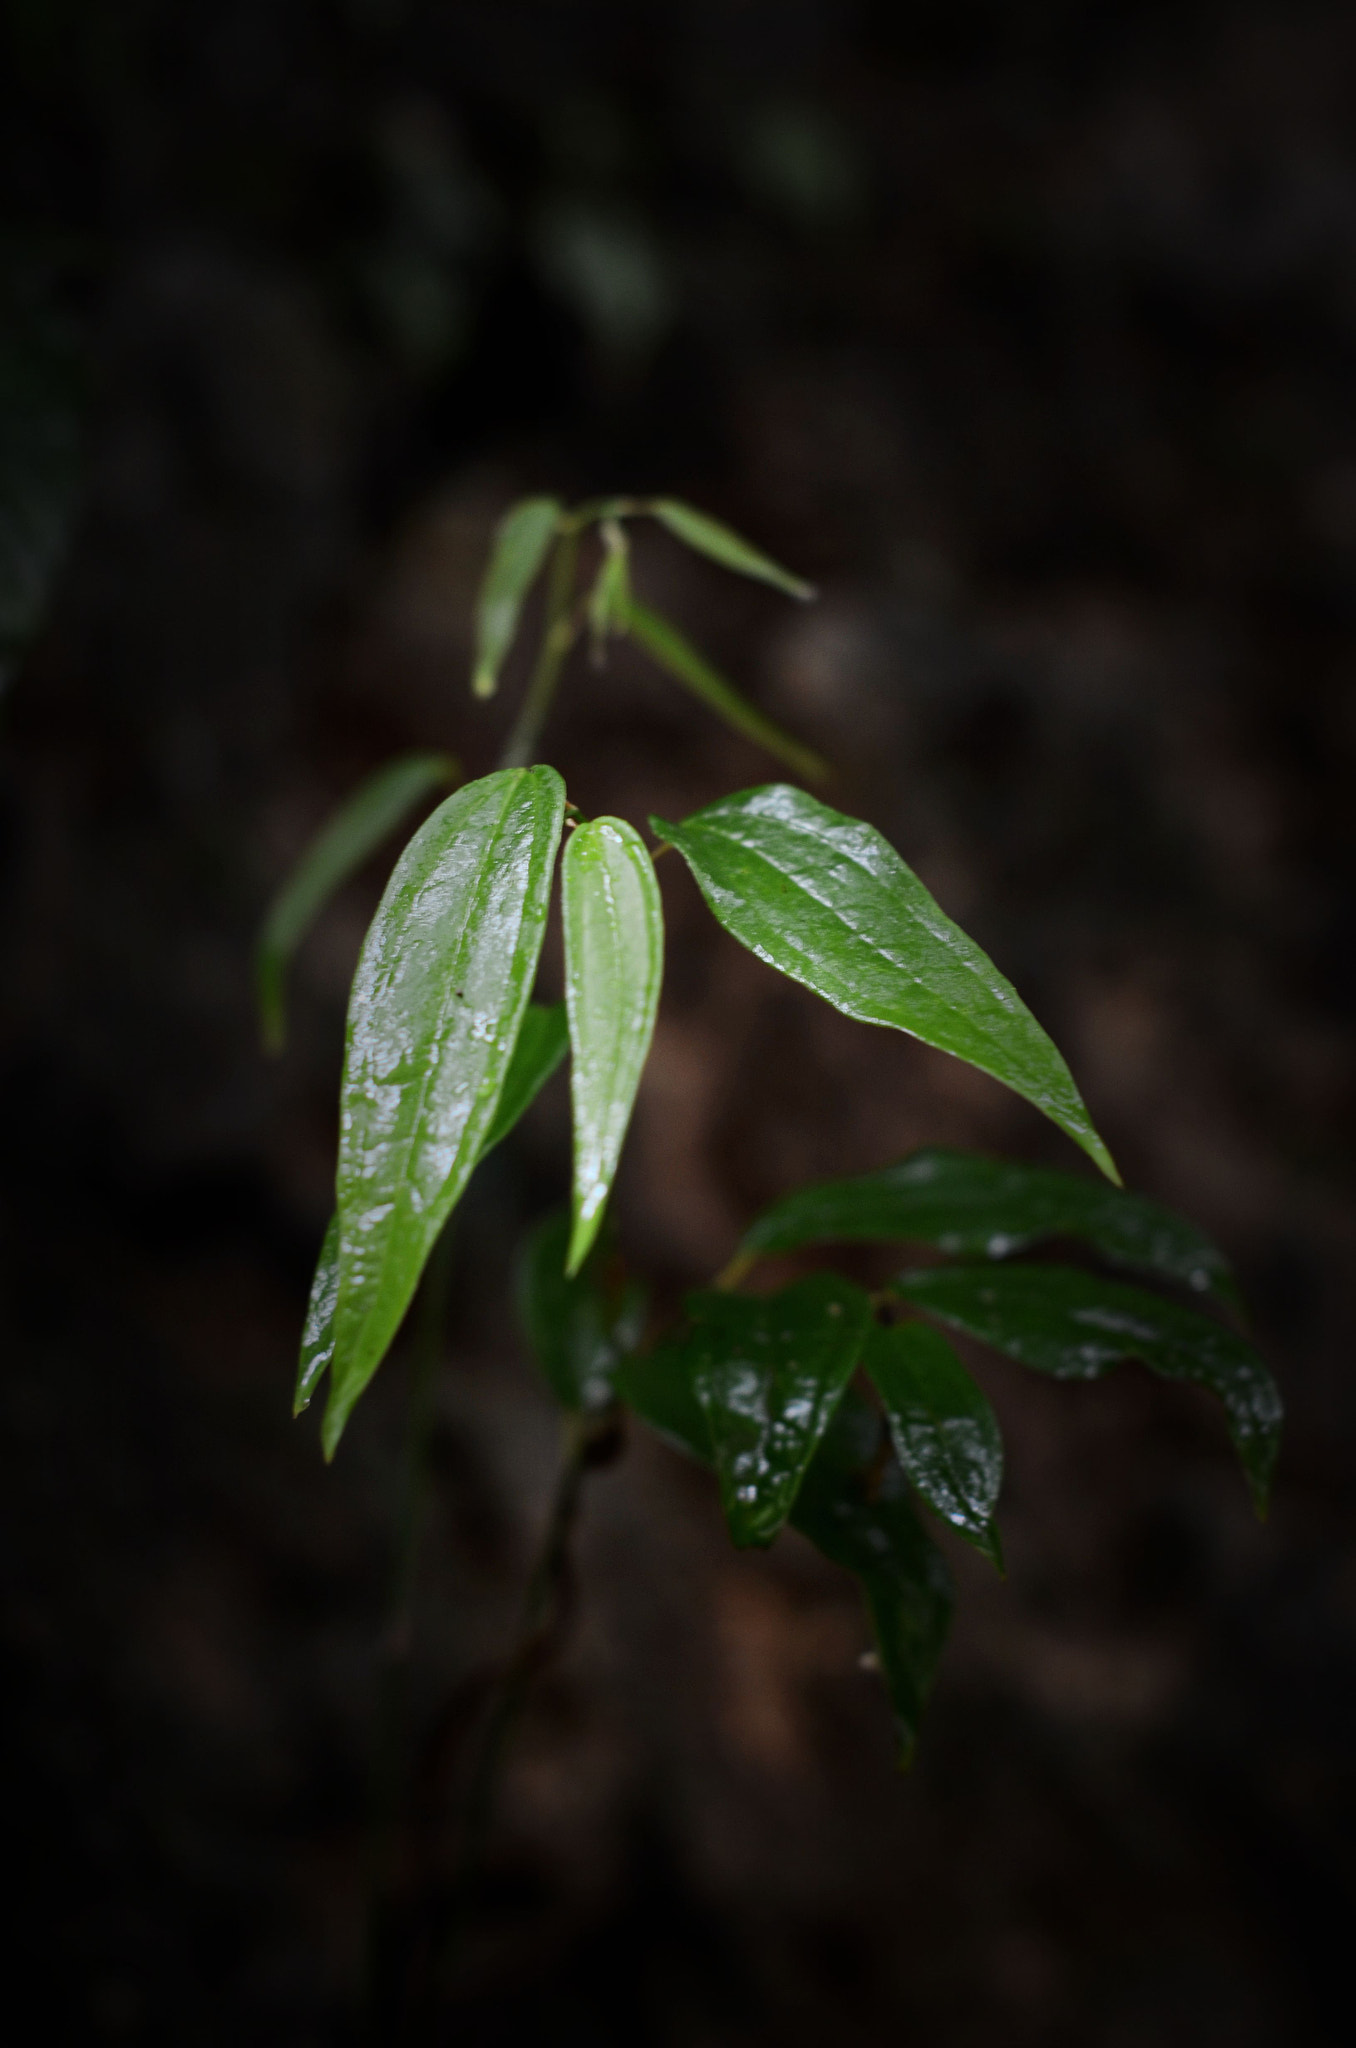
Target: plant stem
(557,639)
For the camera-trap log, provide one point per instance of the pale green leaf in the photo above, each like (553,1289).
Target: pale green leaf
(827,900)
(707,536)
(521,544)
(614,962)
(666,645)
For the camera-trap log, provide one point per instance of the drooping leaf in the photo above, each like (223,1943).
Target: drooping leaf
(437,1003)
(610,597)
(666,645)
(579,1329)
(945,1433)
(768,1373)
(972,1207)
(542,1038)
(707,536)
(521,544)
(1075,1325)
(341,847)
(854,1506)
(614,962)
(317,1332)
(828,901)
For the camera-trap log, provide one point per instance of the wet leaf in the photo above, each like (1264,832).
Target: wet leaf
(1076,1325)
(945,1433)
(707,536)
(972,1207)
(579,1329)
(437,1003)
(342,846)
(521,544)
(854,1506)
(828,901)
(666,645)
(317,1332)
(768,1372)
(542,1039)
(614,962)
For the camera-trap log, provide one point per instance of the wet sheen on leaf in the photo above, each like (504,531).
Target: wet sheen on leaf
(579,1329)
(1076,1325)
(828,901)
(944,1431)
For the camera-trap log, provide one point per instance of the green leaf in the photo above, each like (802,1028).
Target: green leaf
(665,644)
(610,597)
(614,961)
(542,1039)
(854,1506)
(342,846)
(521,544)
(768,1372)
(1076,1325)
(579,1329)
(944,1431)
(707,536)
(317,1332)
(828,901)
(437,1003)
(971,1207)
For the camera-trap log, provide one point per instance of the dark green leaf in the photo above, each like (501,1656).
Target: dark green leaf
(581,1328)
(828,901)
(317,1334)
(352,835)
(1075,1325)
(542,1038)
(521,545)
(659,1386)
(944,1431)
(437,1003)
(768,1372)
(854,1506)
(665,644)
(614,962)
(709,537)
(971,1207)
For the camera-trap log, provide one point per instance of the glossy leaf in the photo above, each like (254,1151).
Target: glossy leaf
(437,1003)
(521,545)
(827,900)
(614,962)
(542,1038)
(666,645)
(945,1433)
(342,846)
(579,1329)
(707,536)
(972,1207)
(768,1372)
(1076,1325)
(317,1332)
(854,1506)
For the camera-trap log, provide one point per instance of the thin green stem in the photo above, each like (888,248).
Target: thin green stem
(558,636)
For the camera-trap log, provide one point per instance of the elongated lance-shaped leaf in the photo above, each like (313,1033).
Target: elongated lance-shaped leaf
(666,645)
(341,847)
(521,545)
(579,1329)
(610,596)
(945,1433)
(707,536)
(434,1017)
(768,1373)
(1076,1325)
(854,1506)
(972,1207)
(827,900)
(614,962)
(542,1039)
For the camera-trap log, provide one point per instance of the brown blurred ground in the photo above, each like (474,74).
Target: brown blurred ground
(1029,334)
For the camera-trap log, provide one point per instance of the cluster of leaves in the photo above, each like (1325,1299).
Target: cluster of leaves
(816,1404)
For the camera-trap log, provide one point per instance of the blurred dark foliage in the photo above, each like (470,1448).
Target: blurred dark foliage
(1028,332)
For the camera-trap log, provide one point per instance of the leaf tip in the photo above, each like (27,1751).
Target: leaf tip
(484,683)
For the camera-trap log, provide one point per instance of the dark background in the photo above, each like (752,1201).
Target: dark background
(1027,331)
